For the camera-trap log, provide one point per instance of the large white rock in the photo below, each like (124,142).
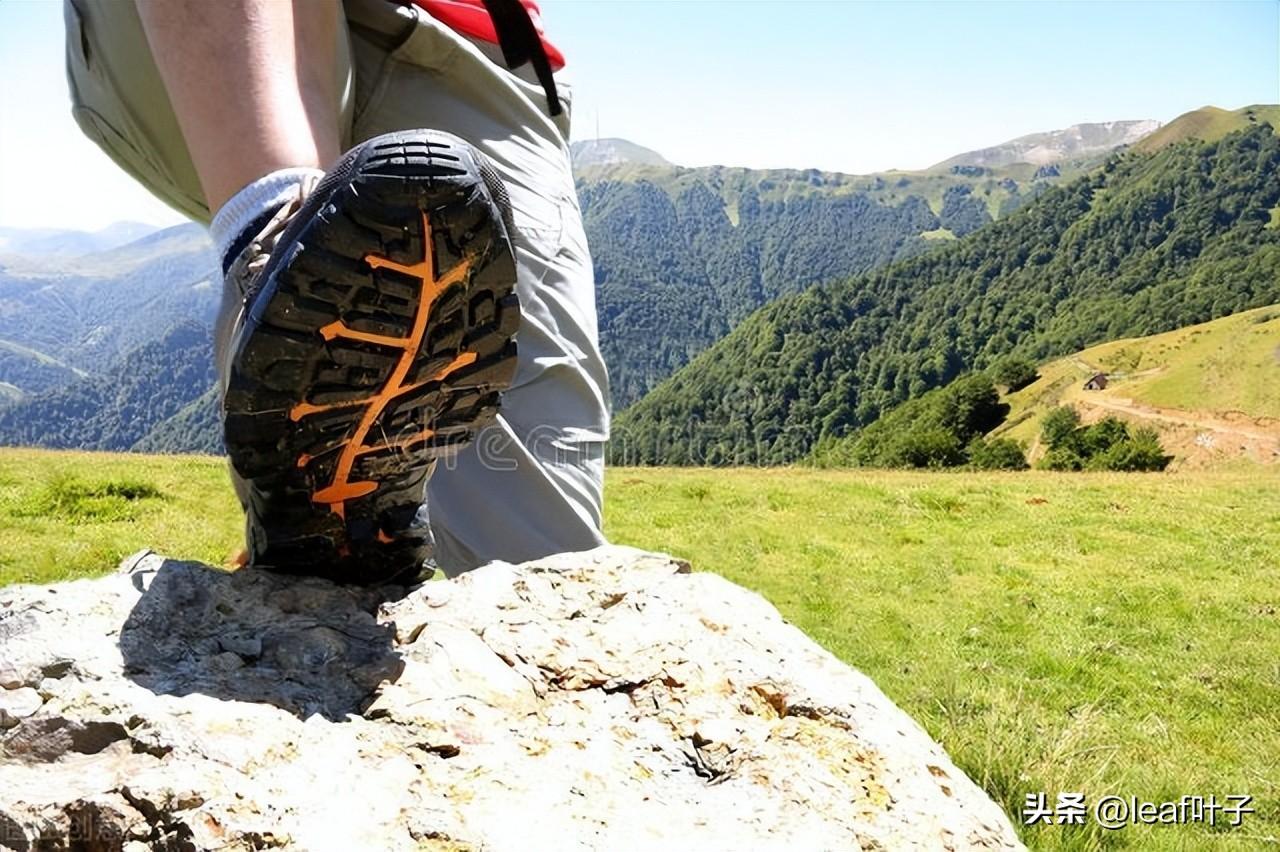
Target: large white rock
(601,700)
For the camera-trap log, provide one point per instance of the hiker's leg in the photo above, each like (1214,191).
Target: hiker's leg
(531,484)
(121,103)
(252,83)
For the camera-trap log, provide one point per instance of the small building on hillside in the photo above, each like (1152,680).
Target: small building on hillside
(1098,381)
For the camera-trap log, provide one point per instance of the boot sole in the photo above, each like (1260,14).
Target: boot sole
(379,342)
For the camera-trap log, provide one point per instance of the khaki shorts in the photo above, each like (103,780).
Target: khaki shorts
(531,484)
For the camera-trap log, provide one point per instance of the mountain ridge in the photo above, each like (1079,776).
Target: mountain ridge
(603,152)
(1143,245)
(1055,146)
(682,256)
(1076,141)
(60,242)
(1209,124)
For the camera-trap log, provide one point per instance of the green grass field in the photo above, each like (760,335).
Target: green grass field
(1094,633)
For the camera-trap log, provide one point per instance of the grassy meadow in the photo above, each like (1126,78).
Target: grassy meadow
(1219,374)
(1094,633)
(1208,122)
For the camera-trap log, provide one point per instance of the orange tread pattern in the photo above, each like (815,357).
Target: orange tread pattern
(341,488)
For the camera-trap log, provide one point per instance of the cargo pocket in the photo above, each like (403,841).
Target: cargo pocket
(539,221)
(378,34)
(115,146)
(103,116)
(383,40)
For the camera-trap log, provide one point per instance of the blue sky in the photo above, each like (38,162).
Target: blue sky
(844,86)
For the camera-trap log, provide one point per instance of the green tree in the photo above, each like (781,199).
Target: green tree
(1140,451)
(928,446)
(1014,373)
(1099,438)
(997,454)
(1059,426)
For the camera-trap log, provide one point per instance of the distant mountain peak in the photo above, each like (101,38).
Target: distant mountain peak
(65,243)
(612,152)
(1055,146)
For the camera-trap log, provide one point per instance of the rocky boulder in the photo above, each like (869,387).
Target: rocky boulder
(602,700)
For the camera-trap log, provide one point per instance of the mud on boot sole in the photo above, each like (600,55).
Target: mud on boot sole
(379,341)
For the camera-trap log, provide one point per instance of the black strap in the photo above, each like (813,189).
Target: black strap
(520,43)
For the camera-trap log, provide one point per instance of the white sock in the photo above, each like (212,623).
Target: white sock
(252,207)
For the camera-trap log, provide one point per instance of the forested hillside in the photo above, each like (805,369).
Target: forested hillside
(97,350)
(85,312)
(683,254)
(675,274)
(24,371)
(195,428)
(1149,243)
(115,409)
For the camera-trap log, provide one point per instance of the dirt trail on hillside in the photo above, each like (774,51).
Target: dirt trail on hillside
(1198,437)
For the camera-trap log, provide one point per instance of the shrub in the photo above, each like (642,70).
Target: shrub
(923,447)
(1059,425)
(831,452)
(997,454)
(1140,451)
(1099,438)
(1062,457)
(1014,373)
(1106,445)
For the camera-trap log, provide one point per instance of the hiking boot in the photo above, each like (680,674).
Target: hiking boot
(367,331)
